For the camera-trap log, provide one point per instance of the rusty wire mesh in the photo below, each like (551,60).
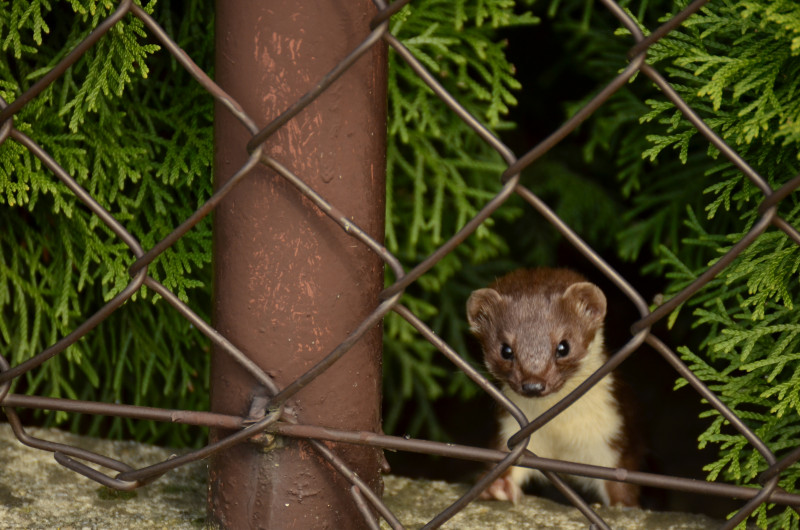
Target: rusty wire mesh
(128,478)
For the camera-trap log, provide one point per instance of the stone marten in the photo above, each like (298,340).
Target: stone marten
(541,331)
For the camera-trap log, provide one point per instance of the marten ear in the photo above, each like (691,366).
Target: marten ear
(588,300)
(482,308)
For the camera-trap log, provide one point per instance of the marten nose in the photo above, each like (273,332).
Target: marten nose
(533,389)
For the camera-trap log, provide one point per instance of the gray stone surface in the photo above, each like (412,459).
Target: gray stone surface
(37,492)
(417,502)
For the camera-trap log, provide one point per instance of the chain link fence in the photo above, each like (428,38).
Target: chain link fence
(127,478)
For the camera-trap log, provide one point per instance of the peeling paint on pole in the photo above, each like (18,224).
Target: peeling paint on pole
(289,283)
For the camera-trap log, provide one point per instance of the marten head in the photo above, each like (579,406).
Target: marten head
(536,327)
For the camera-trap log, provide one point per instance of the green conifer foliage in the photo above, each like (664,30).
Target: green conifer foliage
(127,123)
(439,175)
(132,127)
(738,63)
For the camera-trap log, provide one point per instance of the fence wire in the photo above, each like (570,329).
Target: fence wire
(367,500)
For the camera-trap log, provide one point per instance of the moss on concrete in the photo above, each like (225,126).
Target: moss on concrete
(37,492)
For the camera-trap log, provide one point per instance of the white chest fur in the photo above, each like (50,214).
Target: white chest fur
(583,433)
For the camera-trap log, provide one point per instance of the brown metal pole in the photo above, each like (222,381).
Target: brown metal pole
(289,284)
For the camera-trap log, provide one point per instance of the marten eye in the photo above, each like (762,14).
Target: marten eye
(506,352)
(562,350)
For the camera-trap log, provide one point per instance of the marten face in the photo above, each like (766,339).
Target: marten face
(536,340)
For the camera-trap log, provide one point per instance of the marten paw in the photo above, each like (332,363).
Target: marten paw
(503,489)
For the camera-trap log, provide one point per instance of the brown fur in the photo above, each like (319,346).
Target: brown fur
(522,321)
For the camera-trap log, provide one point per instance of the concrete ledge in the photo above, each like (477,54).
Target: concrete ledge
(37,492)
(416,502)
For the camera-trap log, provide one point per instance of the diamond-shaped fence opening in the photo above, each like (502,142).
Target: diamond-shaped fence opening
(269,414)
